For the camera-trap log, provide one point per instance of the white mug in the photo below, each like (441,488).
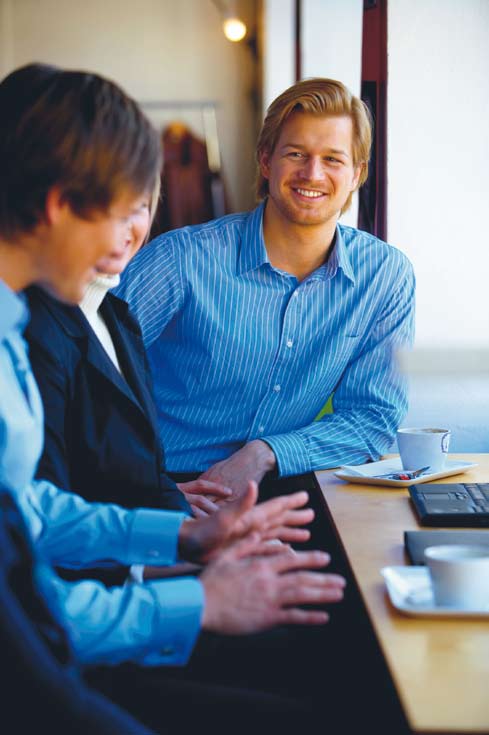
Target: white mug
(423,448)
(459,575)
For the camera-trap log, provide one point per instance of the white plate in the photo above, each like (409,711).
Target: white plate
(410,592)
(365,473)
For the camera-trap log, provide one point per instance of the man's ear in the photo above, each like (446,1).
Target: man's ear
(264,160)
(55,207)
(356,176)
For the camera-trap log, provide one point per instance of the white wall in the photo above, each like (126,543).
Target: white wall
(278,48)
(332,40)
(438,163)
(156,49)
(332,47)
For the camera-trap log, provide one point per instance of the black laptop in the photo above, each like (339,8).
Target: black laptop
(453,504)
(415,542)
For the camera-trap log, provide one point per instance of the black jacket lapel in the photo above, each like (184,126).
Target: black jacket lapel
(129,346)
(74,323)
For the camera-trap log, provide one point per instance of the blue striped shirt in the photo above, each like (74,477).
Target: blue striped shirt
(240,350)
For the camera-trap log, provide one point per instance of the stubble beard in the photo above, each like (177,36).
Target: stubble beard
(302,216)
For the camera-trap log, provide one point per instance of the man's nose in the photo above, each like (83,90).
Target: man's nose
(313,168)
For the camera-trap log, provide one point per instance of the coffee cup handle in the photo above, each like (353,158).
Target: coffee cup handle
(444,442)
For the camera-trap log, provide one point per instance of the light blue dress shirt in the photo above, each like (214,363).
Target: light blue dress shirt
(240,350)
(153,624)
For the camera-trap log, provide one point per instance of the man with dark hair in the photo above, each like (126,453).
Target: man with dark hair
(77,158)
(96,143)
(253,320)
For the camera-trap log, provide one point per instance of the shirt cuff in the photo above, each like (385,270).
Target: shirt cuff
(136,573)
(153,537)
(291,453)
(181,603)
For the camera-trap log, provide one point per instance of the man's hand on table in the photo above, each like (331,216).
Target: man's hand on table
(202,495)
(253,587)
(251,462)
(203,539)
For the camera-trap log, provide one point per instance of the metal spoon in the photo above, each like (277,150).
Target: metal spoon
(402,474)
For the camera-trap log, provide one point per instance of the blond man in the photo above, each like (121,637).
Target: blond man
(253,320)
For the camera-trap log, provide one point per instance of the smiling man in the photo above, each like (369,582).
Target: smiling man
(252,321)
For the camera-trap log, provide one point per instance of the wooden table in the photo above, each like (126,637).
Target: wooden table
(440,668)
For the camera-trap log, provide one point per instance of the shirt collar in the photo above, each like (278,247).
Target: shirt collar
(339,258)
(14,313)
(96,291)
(253,252)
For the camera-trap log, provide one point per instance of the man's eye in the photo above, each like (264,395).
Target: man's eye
(295,154)
(331,159)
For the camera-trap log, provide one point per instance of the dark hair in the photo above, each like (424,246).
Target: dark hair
(317,96)
(74,130)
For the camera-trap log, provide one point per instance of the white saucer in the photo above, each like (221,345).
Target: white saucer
(410,592)
(365,473)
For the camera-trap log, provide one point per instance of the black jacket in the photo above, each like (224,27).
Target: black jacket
(101,431)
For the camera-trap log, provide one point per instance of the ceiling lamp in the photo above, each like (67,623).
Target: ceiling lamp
(234,29)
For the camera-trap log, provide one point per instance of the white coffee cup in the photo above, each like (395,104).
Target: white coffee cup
(459,575)
(423,448)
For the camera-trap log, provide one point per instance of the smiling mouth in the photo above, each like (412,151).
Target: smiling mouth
(310,193)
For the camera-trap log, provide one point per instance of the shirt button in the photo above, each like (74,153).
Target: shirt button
(154,553)
(168,651)
(276,388)
(261,429)
(289,343)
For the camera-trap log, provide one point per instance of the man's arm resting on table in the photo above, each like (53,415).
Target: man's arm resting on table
(369,401)
(352,435)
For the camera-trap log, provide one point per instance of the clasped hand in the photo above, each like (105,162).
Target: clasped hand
(202,539)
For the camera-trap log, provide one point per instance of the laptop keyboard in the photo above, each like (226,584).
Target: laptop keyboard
(479,494)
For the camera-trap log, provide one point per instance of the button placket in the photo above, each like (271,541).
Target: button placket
(290,321)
